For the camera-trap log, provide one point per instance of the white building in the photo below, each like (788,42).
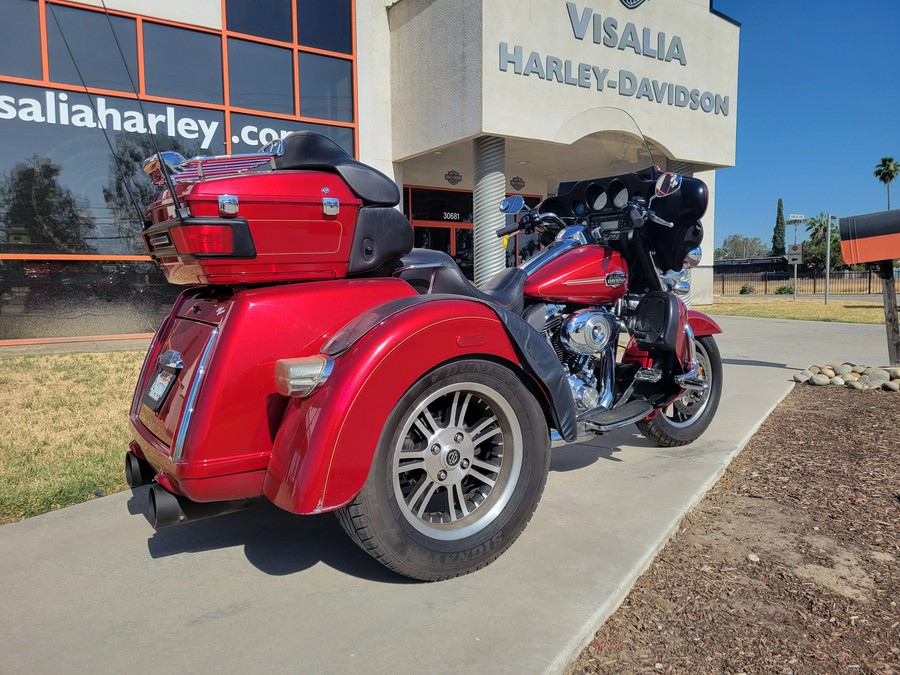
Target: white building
(422,89)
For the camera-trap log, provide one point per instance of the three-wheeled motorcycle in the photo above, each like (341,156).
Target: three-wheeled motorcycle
(317,360)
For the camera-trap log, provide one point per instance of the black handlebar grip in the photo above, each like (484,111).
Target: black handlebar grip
(508,229)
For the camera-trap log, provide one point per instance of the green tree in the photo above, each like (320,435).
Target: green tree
(814,251)
(38,207)
(886,172)
(778,233)
(737,246)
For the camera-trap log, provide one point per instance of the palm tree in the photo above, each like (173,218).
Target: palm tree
(816,227)
(886,172)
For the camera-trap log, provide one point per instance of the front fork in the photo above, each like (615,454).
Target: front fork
(693,377)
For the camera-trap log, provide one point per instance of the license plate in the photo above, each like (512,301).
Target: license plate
(156,394)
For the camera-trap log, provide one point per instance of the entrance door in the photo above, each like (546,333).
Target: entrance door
(442,221)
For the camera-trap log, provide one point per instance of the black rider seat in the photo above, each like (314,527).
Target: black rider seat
(435,272)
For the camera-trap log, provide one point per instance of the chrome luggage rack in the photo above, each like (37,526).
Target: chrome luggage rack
(202,167)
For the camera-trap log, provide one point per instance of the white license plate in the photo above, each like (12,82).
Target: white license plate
(155,395)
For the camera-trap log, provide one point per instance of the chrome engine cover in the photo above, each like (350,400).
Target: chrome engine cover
(588,331)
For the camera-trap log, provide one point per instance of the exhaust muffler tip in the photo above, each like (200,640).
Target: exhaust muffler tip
(163,508)
(137,471)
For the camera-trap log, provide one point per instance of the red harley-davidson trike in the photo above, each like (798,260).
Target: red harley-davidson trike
(317,360)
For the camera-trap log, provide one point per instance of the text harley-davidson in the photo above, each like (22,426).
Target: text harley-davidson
(317,360)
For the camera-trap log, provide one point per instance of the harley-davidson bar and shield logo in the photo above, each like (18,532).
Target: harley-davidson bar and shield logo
(453,177)
(631,4)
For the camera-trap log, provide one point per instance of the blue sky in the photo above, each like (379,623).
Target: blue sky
(818,107)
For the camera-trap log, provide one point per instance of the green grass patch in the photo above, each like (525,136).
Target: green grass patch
(842,311)
(63,429)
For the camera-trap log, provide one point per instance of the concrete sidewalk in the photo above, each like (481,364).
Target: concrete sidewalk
(93,588)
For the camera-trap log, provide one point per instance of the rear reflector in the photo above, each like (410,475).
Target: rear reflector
(203,239)
(301,377)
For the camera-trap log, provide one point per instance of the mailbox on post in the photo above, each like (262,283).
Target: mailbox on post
(876,237)
(871,237)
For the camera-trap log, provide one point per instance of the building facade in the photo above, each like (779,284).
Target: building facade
(461,101)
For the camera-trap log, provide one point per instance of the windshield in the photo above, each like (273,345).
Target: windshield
(599,143)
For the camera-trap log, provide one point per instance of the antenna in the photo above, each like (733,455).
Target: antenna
(164,168)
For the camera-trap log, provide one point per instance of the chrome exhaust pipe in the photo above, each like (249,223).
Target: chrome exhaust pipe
(165,509)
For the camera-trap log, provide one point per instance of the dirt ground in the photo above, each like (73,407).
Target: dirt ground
(791,564)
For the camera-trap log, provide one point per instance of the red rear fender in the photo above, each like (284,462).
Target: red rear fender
(325,445)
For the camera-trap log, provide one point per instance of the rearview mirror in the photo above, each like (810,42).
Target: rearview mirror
(667,184)
(512,204)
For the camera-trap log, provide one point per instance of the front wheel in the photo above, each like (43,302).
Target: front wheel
(458,472)
(686,418)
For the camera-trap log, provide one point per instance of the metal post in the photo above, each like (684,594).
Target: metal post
(827,257)
(795,264)
(490,190)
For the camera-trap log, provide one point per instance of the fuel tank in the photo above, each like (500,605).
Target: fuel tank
(587,275)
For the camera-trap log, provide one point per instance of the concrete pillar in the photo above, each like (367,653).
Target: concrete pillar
(490,190)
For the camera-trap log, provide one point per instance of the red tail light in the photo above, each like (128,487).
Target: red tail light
(203,239)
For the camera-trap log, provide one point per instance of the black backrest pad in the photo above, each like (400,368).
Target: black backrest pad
(382,234)
(315,152)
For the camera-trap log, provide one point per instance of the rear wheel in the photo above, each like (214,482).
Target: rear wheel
(686,418)
(457,474)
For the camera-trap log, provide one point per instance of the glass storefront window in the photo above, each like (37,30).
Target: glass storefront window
(465,251)
(249,132)
(20,39)
(452,206)
(61,191)
(435,238)
(183,64)
(60,298)
(87,35)
(325,24)
(260,77)
(326,87)
(520,246)
(270,19)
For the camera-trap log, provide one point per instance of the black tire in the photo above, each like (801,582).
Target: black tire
(458,472)
(684,421)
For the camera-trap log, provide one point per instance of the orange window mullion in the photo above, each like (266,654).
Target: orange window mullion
(139,33)
(294,16)
(45,50)
(353,88)
(225,91)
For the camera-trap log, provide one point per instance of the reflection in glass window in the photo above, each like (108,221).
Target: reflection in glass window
(60,189)
(181,63)
(465,251)
(447,205)
(325,24)
(435,238)
(89,38)
(62,298)
(326,87)
(249,132)
(20,39)
(270,19)
(260,77)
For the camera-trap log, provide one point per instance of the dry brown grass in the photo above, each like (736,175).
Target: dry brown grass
(63,429)
(804,309)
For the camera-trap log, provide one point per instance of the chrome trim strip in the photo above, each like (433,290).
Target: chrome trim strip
(188,411)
